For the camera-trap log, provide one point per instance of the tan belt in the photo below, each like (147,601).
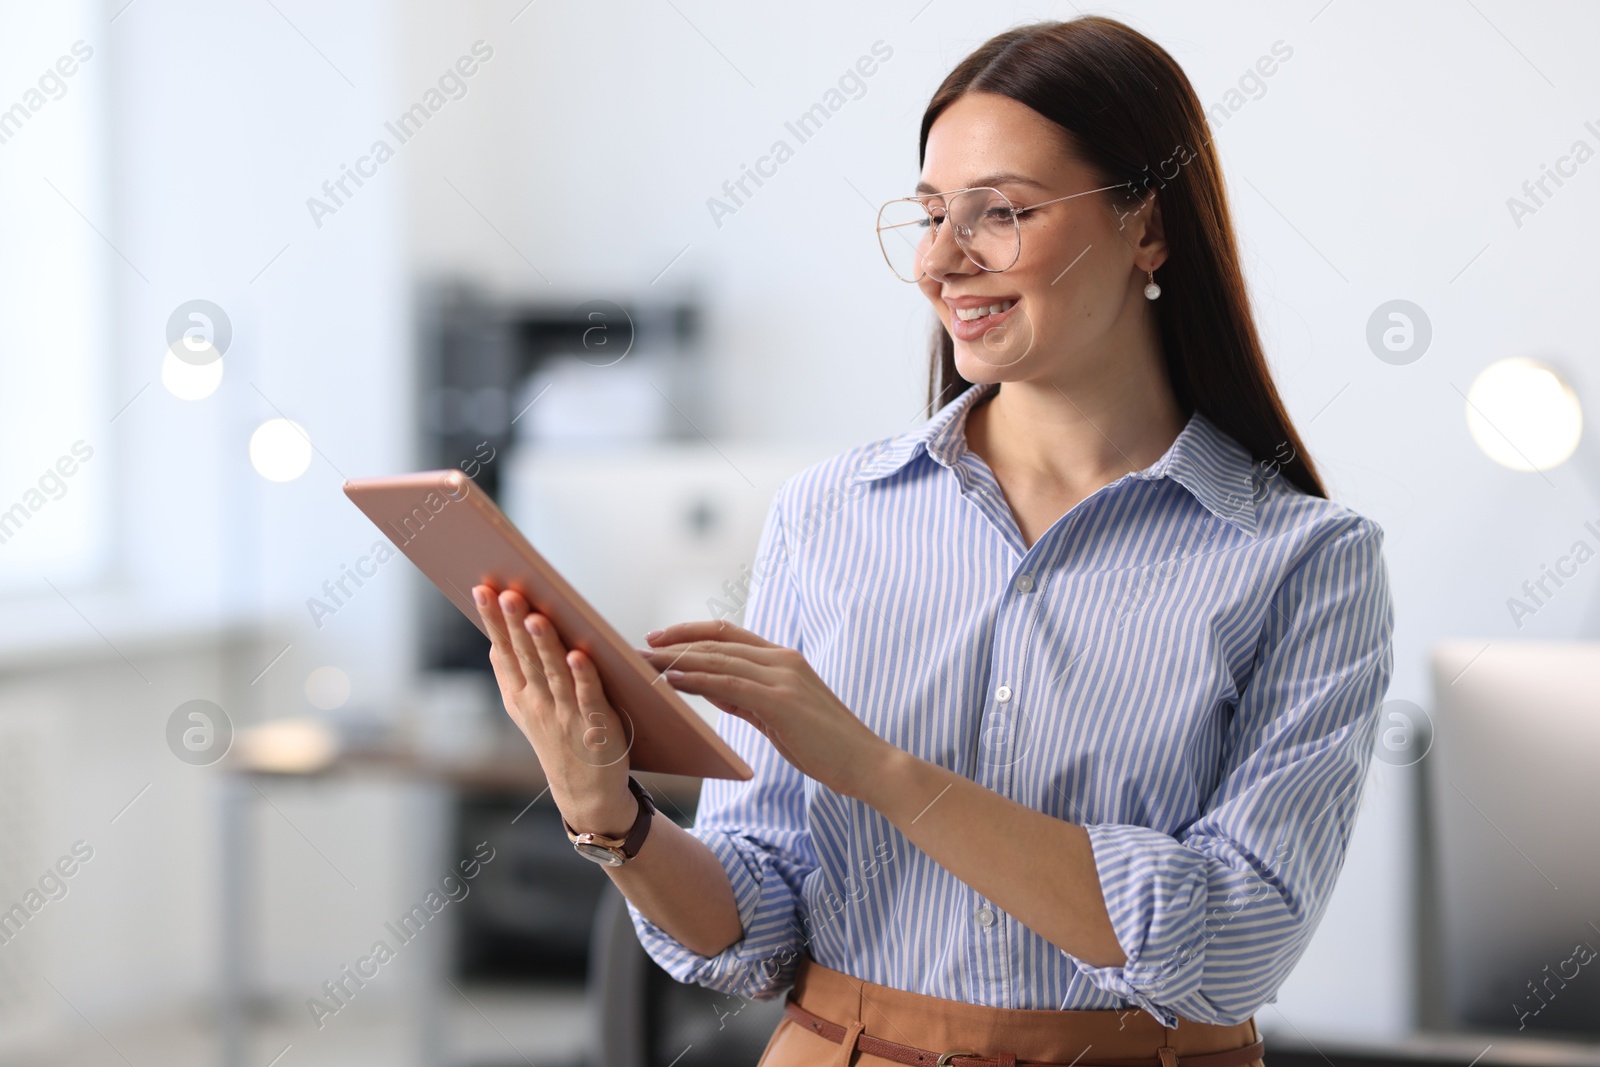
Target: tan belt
(898,1053)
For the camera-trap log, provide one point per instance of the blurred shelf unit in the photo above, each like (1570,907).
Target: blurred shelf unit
(498,374)
(587,422)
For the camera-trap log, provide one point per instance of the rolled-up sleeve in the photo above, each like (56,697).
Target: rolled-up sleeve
(756,829)
(1212,919)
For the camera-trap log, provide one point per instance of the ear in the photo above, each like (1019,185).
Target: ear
(1142,227)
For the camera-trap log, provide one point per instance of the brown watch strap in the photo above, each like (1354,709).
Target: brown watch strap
(634,839)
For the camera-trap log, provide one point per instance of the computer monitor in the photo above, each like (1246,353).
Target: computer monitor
(1512,797)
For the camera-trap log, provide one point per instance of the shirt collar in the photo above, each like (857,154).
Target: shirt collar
(1203,459)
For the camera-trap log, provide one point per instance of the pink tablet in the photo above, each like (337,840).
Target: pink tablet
(456,536)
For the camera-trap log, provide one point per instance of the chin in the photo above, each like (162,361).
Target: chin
(976,370)
(1001,354)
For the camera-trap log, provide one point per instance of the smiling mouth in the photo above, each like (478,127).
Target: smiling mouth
(977,313)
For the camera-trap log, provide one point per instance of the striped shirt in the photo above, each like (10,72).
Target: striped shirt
(1189,664)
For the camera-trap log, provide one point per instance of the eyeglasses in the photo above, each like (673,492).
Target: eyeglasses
(986,227)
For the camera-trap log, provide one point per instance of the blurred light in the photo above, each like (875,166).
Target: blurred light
(287,746)
(188,381)
(280,450)
(327,688)
(1523,416)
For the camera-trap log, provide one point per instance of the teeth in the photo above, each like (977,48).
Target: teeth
(968,314)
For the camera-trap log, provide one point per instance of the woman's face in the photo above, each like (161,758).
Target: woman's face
(1080,277)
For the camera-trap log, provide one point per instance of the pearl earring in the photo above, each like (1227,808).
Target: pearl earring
(1152,290)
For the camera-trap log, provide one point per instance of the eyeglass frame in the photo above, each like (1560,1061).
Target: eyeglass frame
(1016,222)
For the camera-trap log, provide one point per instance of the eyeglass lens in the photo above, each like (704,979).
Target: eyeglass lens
(982,222)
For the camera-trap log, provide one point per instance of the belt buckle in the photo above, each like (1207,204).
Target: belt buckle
(946,1057)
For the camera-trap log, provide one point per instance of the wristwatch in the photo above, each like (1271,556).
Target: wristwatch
(615,851)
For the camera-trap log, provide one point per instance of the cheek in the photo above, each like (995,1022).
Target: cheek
(1051,297)
(1069,305)
(1056,253)
(1072,278)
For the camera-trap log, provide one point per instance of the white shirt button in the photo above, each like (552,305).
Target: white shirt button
(985,917)
(1024,583)
(1003,694)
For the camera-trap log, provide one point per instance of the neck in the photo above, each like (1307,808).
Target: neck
(1093,418)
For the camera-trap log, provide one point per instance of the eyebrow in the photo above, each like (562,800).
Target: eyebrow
(986,182)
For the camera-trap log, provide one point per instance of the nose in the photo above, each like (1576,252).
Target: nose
(944,258)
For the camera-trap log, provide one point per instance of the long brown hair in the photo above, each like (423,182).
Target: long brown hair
(1131,113)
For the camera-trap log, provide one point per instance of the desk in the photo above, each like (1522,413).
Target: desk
(510,768)
(1431,1049)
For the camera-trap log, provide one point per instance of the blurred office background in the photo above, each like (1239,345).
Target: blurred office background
(531,281)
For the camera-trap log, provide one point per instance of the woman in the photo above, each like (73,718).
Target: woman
(1059,705)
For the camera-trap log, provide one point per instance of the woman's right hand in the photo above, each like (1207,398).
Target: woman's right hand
(555,697)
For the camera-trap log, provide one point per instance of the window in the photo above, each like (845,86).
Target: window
(55,296)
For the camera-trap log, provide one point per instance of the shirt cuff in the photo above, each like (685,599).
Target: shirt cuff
(1155,890)
(763,962)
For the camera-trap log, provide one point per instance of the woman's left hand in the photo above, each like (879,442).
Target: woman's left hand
(775,690)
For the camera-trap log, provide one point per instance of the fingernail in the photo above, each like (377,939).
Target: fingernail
(481,597)
(653,634)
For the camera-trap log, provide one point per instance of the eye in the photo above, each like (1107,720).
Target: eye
(1000,214)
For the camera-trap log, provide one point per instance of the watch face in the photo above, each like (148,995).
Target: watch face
(598,853)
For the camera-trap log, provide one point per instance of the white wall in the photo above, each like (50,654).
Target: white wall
(223,122)
(1376,165)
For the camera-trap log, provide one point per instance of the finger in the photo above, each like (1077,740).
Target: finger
(608,735)
(502,677)
(729,688)
(499,638)
(716,659)
(760,726)
(515,609)
(767,653)
(590,692)
(705,630)
(587,688)
(738,713)
(552,658)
